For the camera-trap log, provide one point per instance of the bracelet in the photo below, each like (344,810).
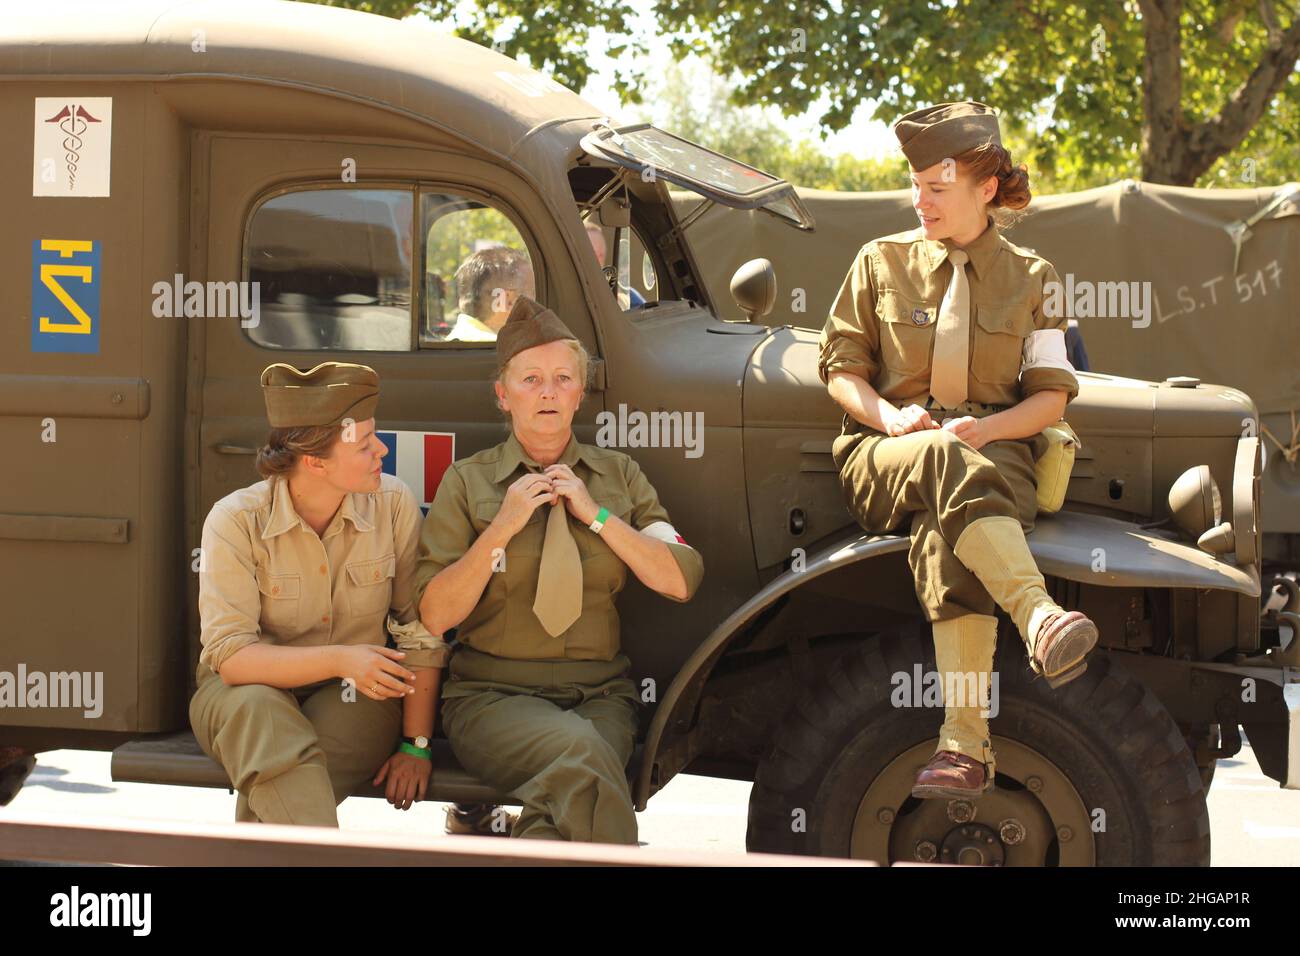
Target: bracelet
(423,753)
(601,517)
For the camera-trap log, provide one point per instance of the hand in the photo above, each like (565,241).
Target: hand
(912,418)
(408,779)
(576,497)
(972,431)
(521,500)
(375,671)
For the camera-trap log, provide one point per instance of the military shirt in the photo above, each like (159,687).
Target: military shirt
(265,575)
(470,329)
(881,326)
(503,623)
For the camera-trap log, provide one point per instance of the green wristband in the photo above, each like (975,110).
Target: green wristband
(424,754)
(601,517)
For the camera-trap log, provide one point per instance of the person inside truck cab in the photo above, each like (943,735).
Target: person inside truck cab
(948,369)
(488,283)
(302,577)
(596,236)
(524,550)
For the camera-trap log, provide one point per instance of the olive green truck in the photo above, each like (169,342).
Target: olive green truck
(213,190)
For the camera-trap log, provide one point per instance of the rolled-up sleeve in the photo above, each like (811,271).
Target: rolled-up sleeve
(650,516)
(230,606)
(850,340)
(1045,365)
(422,648)
(447,532)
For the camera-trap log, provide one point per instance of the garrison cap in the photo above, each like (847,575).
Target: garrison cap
(325,395)
(528,325)
(930,135)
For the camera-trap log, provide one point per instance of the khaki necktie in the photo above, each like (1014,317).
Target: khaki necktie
(559,579)
(951,362)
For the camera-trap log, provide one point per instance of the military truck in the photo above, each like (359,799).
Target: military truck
(216,186)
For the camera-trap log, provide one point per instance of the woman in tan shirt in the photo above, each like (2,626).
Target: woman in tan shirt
(948,368)
(302,577)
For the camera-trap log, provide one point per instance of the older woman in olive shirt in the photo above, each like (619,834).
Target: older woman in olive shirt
(538,702)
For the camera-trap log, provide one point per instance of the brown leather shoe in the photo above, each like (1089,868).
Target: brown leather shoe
(1064,640)
(952,775)
(475,819)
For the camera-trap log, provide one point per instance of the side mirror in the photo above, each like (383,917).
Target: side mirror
(753,286)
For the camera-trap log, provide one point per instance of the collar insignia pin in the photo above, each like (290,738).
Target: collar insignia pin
(920,316)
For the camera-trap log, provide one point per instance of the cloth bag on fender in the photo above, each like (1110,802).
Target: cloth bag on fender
(1052,470)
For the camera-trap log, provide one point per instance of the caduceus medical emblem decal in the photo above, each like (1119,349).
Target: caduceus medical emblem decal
(73,120)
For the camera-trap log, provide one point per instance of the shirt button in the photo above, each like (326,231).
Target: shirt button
(605,692)
(376,575)
(1007,323)
(325,619)
(324,570)
(275,589)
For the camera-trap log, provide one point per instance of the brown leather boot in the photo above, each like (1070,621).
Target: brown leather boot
(1063,642)
(951,775)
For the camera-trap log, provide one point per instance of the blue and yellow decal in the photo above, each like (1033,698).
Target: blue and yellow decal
(65,295)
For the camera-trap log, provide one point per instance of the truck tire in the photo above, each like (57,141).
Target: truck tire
(1095,773)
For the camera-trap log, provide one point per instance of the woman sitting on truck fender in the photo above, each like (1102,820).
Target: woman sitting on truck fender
(949,365)
(525,548)
(300,576)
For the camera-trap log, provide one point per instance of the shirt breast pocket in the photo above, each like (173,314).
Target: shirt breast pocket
(370,585)
(1000,333)
(906,332)
(281,600)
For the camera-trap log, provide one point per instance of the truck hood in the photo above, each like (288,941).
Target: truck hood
(782,387)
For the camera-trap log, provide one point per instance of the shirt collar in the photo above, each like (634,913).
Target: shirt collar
(285,517)
(467,319)
(513,455)
(982,251)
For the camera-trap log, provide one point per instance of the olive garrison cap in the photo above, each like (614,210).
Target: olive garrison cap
(324,395)
(930,135)
(528,325)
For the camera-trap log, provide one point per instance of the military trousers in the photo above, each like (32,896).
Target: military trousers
(556,735)
(934,484)
(293,755)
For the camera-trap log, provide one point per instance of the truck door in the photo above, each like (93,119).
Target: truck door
(381,255)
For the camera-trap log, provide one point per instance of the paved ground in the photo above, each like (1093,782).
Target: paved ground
(1254,822)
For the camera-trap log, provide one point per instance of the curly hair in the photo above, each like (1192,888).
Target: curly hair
(1013,192)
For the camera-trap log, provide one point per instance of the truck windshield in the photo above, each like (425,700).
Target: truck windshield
(652,151)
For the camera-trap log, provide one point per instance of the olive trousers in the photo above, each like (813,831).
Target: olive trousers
(556,735)
(293,755)
(936,484)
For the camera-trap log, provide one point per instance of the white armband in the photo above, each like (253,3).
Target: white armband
(1045,348)
(663,531)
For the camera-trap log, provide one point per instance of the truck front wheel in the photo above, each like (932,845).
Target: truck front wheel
(1095,773)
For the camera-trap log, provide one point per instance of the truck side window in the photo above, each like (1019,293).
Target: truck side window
(628,262)
(475,265)
(334,269)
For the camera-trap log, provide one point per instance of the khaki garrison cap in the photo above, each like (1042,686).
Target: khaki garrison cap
(528,325)
(325,395)
(931,135)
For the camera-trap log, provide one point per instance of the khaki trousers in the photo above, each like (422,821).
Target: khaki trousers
(936,484)
(293,755)
(556,735)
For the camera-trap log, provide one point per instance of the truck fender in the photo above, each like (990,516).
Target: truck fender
(1090,549)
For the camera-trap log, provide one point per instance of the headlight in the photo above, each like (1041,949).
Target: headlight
(1194,501)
